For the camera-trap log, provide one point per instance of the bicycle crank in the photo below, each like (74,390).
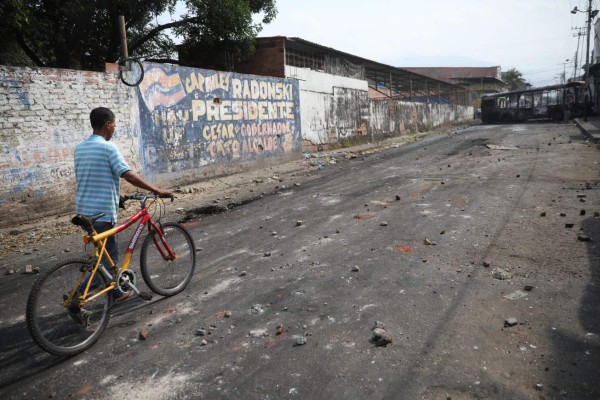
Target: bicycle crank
(126,281)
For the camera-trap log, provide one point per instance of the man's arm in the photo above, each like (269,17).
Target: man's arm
(138,181)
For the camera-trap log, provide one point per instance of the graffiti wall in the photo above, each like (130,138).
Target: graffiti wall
(192,118)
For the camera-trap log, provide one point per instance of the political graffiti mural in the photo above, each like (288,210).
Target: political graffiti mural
(192,117)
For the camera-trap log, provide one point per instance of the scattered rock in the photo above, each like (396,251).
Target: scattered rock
(257,309)
(378,324)
(268,254)
(528,288)
(583,238)
(398,197)
(29,269)
(501,274)
(258,333)
(204,342)
(201,332)
(143,335)
(243,273)
(9,271)
(355,268)
(510,322)
(543,214)
(539,386)
(227,314)
(487,263)
(569,225)
(582,212)
(299,223)
(381,337)
(519,294)
(563,214)
(299,340)
(384,223)
(279,330)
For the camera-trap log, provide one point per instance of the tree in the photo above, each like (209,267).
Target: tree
(514,79)
(84,34)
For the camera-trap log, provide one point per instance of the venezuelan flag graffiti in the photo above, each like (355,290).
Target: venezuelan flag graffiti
(158,88)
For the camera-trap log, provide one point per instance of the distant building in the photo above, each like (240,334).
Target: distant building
(278,55)
(481,80)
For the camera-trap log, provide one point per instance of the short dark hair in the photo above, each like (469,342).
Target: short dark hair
(101,115)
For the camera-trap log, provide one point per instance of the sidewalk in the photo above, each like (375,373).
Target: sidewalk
(590,129)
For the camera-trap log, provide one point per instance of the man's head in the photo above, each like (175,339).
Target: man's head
(103,122)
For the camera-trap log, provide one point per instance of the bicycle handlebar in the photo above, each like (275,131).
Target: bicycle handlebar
(142,197)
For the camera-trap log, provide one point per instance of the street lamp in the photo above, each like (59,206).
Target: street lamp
(591,14)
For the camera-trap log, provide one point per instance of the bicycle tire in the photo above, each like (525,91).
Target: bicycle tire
(166,277)
(131,71)
(51,324)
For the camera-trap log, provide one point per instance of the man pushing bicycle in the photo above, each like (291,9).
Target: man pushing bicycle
(99,166)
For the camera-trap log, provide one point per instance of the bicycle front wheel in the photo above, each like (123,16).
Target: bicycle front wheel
(162,275)
(59,325)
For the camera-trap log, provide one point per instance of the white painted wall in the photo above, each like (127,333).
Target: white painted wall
(317,101)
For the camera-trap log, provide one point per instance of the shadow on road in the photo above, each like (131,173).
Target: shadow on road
(21,358)
(574,363)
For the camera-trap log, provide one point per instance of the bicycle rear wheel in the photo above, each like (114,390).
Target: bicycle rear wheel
(162,275)
(66,329)
(131,71)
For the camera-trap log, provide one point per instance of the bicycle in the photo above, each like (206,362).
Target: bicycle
(68,306)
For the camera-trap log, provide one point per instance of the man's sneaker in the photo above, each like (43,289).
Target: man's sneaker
(122,296)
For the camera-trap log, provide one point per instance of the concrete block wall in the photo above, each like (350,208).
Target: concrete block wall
(335,109)
(390,118)
(45,113)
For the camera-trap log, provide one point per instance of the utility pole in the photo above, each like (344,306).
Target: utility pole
(579,34)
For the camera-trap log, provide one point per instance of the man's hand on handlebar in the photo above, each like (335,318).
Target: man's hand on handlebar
(165,194)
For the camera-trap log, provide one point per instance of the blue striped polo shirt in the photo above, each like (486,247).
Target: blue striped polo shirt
(98,168)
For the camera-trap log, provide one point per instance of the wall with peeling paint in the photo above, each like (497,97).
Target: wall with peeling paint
(391,118)
(45,114)
(335,109)
(179,126)
(332,107)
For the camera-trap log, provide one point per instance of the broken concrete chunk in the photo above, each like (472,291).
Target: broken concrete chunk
(501,274)
(381,337)
(519,294)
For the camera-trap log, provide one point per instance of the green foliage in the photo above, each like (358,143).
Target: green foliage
(85,34)
(514,79)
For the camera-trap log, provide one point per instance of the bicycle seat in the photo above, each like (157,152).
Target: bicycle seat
(84,221)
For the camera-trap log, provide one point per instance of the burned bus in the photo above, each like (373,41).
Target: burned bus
(549,102)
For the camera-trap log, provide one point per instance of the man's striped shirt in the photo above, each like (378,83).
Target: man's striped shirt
(98,168)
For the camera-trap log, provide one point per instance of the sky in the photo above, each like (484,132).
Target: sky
(536,37)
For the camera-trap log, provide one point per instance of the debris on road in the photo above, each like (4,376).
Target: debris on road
(299,340)
(583,238)
(381,337)
(519,294)
(143,335)
(501,274)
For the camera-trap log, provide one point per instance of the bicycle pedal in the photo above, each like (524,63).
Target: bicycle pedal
(145,296)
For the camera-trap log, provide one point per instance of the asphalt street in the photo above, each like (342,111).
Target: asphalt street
(438,242)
